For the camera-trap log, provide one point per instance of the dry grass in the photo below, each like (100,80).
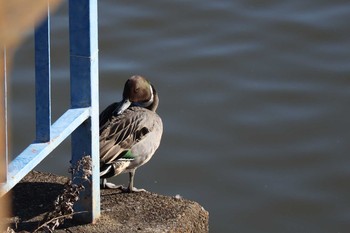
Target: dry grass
(63,205)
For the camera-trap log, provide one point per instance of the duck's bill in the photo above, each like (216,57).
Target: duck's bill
(126,103)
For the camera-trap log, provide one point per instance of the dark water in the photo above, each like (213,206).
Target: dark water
(254,98)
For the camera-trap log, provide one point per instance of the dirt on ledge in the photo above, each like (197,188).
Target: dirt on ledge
(34,196)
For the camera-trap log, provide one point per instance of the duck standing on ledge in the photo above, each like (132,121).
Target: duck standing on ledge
(130,132)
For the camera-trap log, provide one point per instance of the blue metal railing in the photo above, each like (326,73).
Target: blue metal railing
(81,120)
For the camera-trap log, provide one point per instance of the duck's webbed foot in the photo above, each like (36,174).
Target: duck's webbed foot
(108,185)
(133,190)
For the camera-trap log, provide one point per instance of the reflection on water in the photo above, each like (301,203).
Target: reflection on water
(254,98)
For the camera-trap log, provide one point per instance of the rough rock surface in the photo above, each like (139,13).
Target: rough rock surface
(33,197)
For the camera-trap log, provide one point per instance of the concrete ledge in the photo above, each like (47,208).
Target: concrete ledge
(33,197)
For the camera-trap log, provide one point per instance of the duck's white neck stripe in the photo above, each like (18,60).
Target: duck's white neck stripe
(150,101)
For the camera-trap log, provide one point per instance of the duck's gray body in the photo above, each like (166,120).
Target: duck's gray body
(128,140)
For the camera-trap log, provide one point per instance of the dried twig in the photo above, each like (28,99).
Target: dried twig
(83,168)
(64,202)
(45,226)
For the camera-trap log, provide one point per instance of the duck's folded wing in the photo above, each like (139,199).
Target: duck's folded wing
(106,114)
(119,136)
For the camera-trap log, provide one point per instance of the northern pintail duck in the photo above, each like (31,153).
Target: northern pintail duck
(130,132)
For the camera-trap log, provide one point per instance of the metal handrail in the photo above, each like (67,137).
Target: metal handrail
(81,120)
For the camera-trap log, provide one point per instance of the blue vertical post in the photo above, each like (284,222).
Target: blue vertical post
(84,93)
(43,80)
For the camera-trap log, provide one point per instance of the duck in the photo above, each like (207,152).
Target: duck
(130,132)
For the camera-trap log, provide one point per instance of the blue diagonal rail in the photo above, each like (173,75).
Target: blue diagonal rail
(81,120)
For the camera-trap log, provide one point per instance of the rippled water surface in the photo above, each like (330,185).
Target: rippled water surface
(254,98)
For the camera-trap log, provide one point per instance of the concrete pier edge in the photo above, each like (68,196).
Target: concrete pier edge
(34,196)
